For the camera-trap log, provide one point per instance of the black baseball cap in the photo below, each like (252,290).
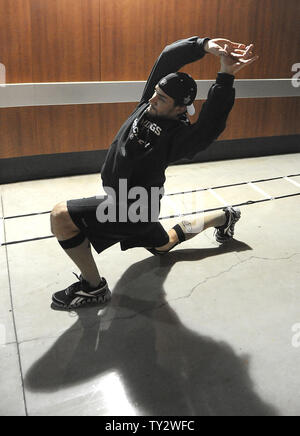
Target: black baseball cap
(182,88)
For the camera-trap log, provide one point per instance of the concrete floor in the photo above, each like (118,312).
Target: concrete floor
(205,330)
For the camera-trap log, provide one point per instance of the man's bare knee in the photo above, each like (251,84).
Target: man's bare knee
(61,222)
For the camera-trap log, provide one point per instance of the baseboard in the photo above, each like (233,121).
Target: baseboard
(88,162)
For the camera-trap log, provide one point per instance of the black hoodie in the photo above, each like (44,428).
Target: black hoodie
(145,145)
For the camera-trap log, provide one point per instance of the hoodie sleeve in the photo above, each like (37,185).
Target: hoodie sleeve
(186,141)
(172,59)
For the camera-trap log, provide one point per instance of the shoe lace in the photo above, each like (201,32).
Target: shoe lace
(75,286)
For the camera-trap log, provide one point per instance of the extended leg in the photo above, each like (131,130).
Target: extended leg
(224,222)
(192,227)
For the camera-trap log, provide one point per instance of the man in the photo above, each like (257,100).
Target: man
(156,134)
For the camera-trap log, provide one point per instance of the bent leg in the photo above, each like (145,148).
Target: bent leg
(62,225)
(74,243)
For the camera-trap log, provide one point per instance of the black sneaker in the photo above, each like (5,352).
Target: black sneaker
(226,232)
(81,294)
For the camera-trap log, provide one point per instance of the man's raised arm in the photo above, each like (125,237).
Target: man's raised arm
(185,51)
(172,59)
(188,140)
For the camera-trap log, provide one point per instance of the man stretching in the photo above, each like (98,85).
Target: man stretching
(155,135)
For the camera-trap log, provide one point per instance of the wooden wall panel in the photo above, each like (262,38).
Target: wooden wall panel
(254,118)
(59,129)
(86,40)
(50,40)
(136,32)
(17,132)
(65,40)
(15,40)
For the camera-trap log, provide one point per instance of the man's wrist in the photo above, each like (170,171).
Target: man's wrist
(225,78)
(205,45)
(223,70)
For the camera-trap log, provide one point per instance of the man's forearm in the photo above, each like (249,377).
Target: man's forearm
(172,59)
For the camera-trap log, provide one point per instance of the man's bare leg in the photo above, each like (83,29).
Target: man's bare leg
(74,243)
(192,227)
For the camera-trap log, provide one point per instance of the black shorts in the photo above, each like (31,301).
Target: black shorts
(103,235)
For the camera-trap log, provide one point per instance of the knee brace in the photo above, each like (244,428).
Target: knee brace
(73,242)
(192,226)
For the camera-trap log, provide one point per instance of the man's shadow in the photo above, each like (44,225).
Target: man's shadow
(166,369)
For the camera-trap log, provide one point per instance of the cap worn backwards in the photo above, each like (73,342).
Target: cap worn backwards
(182,88)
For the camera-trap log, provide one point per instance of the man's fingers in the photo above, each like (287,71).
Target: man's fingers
(249,48)
(252,60)
(243,54)
(238,45)
(237,55)
(236,50)
(249,61)
(224,51)
(243,48)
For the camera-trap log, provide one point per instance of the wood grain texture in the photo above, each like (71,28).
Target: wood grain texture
(61,129)
(65,40)
(107,40)
(16,40)
(136,32)
(50,41)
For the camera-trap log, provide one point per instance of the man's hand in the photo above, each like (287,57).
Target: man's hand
(221,46)
(237,60)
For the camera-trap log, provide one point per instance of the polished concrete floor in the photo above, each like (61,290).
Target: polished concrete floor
(204,330)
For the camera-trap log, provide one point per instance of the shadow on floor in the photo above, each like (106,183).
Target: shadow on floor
(166,368)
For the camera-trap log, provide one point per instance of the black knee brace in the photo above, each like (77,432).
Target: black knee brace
(73,242)
(180,233)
